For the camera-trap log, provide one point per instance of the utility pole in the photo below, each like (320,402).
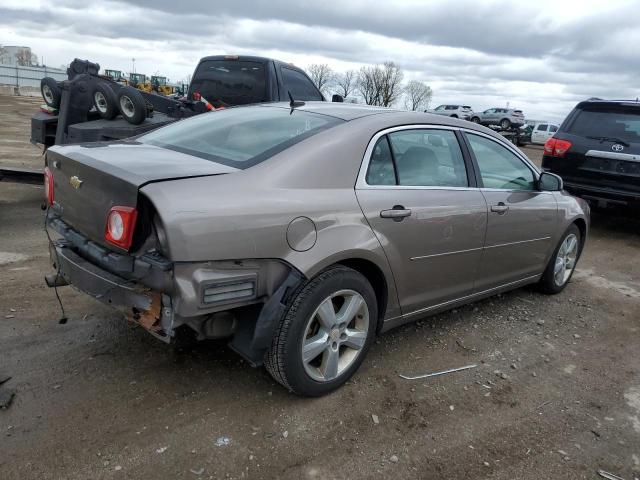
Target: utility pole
(133,60)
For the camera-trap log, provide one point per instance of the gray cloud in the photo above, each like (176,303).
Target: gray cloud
(542,56)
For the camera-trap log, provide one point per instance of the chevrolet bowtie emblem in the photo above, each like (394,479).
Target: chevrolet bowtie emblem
(75,182)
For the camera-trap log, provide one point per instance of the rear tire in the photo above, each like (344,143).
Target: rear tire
(454,116)
(132,105)
(505,124)
(562,263)
(51,92)
(105,101)
(325,334)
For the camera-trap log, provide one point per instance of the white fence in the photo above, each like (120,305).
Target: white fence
(28,76)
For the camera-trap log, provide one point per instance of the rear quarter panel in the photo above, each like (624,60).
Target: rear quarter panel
(246,214)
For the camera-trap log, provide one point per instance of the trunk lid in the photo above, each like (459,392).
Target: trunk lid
(89,179)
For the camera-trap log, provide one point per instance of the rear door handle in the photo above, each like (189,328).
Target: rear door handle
(397,213)
(500,208)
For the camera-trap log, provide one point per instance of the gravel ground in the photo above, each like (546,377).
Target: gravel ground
(556,393)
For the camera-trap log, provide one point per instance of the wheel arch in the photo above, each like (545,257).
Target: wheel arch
(581,223)
(376,278)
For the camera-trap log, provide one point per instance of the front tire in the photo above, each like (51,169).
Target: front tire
(325,334)
(562,263)
(475,119)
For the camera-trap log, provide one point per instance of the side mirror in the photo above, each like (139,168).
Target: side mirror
(550,182)
(337,98)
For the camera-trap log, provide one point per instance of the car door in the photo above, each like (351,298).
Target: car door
(539,134)
(489,116)
(521,219)
(418,197)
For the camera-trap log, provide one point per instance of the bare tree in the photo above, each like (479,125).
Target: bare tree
(346,83)
(321,75)
(368,84)
(24,57)
(417,95)
(391,84)
(380,85)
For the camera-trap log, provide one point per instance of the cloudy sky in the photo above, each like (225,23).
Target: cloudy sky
(541,56)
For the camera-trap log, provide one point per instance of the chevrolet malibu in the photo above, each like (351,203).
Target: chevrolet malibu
(300,232)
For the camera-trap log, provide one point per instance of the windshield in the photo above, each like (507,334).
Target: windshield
(231,81)
(619,123)
(240,137)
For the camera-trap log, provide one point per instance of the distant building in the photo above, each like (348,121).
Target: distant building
(12,55)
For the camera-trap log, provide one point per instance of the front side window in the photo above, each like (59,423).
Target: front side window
(420,157)
(240,137)
(553,128)
(499,167)
(300,87)
(542,128)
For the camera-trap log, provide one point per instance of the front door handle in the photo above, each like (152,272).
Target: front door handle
(500,208)
(398,212)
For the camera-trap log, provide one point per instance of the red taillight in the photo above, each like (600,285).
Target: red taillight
(48,186)
(556,147)
(121,222)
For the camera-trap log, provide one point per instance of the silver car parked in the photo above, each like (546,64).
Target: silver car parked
(505,118)
(464,112)
(301,232)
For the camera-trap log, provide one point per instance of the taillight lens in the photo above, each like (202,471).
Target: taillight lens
(556,147)
(121,222)
(48,186)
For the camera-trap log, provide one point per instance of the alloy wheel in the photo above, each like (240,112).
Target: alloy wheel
(335,335)
(565,260)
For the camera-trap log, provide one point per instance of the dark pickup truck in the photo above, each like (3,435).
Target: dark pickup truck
(89,107)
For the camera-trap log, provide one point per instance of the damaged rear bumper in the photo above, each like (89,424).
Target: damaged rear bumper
(138,303)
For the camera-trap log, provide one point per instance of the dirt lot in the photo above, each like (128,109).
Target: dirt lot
(98,398)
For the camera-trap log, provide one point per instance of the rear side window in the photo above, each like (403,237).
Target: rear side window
(418,158)
(499,167)
(300,87)
(240,137)
(230,81)
(542,128)
(621,123)
(381,170)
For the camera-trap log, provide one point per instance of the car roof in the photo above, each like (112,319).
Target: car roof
(605,103)
(343,111)
(386,117)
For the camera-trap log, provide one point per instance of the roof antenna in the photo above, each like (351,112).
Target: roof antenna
(294,103)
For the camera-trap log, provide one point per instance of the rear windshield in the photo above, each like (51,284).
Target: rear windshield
(230,81)
(240,137)
(621,123)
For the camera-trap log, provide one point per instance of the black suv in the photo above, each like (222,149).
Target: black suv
(596,151)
